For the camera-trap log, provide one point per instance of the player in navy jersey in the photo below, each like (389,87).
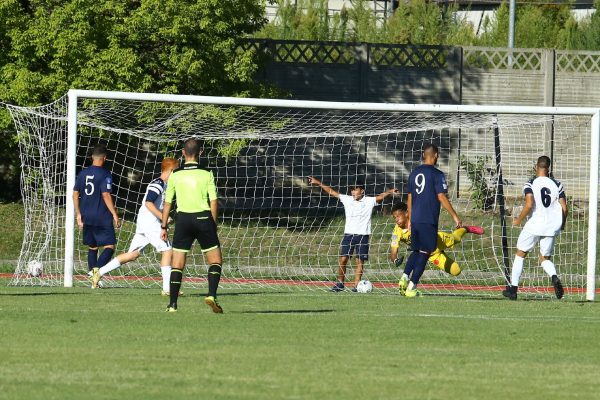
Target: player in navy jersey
(147,229)
(95,210)
(427,190)
(546,200)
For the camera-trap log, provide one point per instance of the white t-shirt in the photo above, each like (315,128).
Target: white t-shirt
(546,217)
(358,214)
(146,221)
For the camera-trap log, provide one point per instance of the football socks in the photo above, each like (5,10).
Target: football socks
(166,277)
(176,277)
(419,268)
(549,267)
(517,269)
(110,266)
(92,259)
(105,257)
(214,275)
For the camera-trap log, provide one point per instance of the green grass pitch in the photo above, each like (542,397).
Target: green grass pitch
(61,343)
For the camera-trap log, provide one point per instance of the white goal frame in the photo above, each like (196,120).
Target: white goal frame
(74,95)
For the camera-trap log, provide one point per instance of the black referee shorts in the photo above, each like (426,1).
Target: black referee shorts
(195,226)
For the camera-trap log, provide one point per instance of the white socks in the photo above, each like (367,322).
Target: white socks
(166,278)
(549,267)
(111,265)
(517,269)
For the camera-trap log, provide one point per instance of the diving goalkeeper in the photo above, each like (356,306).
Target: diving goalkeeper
(444,241)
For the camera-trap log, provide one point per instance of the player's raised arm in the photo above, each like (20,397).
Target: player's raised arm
(327,189)
(385,194)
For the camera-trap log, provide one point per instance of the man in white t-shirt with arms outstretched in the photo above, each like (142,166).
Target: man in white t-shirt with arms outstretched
(546,197)
(358,209)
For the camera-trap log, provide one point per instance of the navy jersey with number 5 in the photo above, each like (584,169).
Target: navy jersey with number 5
(424,184)
(91,183)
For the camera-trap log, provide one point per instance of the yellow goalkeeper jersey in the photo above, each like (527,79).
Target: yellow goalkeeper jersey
(444,240)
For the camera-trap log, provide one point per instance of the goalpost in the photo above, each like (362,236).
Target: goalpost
(278,231)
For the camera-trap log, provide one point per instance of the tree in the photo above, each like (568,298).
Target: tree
(165,46)
(536,26)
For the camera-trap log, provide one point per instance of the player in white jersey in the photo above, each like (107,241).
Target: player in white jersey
(357,230)
(546,200)
(148,229)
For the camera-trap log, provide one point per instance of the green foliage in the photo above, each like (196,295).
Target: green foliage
(416,22)
(303,19)
(483,188)
(536,26)
(584,35)
(424,22)
(164,46)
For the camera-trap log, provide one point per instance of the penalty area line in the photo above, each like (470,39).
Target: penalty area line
(551,318)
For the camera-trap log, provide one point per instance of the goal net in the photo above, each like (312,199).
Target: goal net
(276,230)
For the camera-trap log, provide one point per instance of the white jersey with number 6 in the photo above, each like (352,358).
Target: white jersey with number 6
(546,217)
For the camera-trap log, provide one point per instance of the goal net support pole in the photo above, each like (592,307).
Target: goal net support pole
(69,206)
(500,201)
(593,205)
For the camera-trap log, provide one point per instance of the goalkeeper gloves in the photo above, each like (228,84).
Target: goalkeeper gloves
(398,261)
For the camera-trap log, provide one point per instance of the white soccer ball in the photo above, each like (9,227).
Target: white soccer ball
(34,268)
(364,286)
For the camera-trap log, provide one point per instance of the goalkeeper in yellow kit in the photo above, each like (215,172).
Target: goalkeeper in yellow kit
(444,241)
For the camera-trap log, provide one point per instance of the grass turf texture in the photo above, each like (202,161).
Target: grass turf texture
(76,343)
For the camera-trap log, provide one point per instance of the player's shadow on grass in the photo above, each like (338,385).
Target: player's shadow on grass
(40,294)
(285,311)
(204,294)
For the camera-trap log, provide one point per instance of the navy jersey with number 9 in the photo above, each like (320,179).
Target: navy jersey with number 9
(424,184)
(91,183)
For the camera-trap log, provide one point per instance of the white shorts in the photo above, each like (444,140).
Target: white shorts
(528,240)
(142,239)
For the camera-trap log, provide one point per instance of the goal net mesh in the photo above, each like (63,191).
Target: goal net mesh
(276,230)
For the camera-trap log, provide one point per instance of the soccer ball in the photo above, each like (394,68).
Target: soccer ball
(364,286)
(34,268)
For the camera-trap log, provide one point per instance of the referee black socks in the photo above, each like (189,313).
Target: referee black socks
(214,275)
(175,285)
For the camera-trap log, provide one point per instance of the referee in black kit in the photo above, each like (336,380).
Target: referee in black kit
(196,194)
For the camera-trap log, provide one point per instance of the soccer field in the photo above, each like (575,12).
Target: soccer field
(61,343)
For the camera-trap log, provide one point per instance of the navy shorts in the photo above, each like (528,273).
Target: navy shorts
(355,243)
(423,237)
(94,236)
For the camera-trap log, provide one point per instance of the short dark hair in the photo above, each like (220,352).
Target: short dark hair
(400,206)
(358,185)
(432,147)
(192,147)
(99,150)
(544,162)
